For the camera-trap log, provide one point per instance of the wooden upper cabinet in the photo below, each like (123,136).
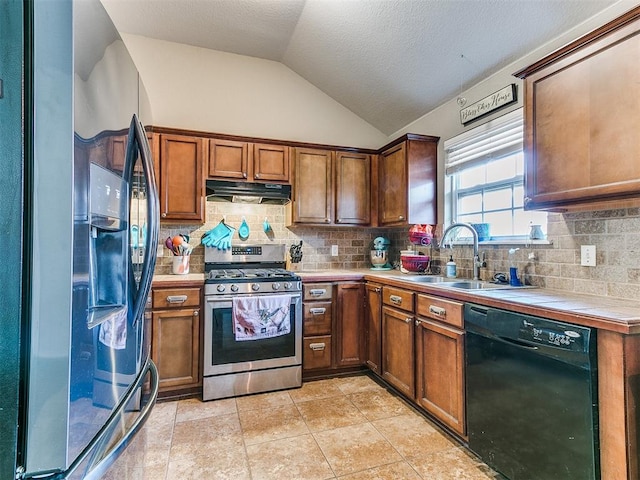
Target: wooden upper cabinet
(182,178)
(582,121)
(228,159)
(330,188)
(237,160)
(271,163)
(312,187)
(117,148)
(407,180)
(353,188)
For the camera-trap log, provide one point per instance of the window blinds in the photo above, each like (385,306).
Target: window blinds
(497,138)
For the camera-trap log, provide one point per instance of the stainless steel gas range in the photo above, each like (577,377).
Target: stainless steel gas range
(253,322)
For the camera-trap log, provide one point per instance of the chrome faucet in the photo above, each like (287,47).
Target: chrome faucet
(476,256)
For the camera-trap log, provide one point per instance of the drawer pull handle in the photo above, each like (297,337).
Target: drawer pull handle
(317,346)
(396,299)
(317,292)
(317,311)
(176,298)
(439,311)
(407,320)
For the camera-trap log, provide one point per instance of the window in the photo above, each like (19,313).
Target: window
(484,170)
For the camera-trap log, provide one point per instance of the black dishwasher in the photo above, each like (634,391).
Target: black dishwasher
(531,389)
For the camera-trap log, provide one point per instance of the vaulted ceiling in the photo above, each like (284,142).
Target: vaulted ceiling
(388,61)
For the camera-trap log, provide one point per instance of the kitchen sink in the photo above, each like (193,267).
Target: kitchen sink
(462,284)
(426,279)
(473,285)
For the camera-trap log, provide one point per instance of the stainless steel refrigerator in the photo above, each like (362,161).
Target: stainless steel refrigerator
(78,378)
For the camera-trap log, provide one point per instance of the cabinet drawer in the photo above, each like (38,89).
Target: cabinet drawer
(317,318)
(176,297)
(444,311)
(317,291)
(316,352)
(398,298)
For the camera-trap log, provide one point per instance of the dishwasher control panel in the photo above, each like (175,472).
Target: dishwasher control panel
(569,338)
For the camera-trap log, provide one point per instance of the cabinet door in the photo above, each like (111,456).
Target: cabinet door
(118,151)
(271,163)
(373,327)
(393,185)
(349,335)
(175,347)
(398,367)
(312,186)
(228,159)
(582,118)
(353,188)
(181,178)
(440,373)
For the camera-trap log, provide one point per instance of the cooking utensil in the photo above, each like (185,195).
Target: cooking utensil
(266,226)
(168,243)
(295,252)
(243,230)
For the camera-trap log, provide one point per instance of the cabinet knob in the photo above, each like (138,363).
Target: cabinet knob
(244,174)
(257,175)
(196,313)
(401,217)
(164,214)
(377,290)
(408,320)
(327,220)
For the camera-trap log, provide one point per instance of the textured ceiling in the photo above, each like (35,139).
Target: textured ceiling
(388,61)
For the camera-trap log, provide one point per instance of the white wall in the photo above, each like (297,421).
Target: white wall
(200,89)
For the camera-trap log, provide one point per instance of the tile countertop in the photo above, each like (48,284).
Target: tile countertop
(607,313)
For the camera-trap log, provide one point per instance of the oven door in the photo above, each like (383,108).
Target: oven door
(223,354)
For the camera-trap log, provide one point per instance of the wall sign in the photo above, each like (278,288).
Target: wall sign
(501,98)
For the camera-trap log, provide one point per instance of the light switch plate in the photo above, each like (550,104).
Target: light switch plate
(334,250)
(588,255)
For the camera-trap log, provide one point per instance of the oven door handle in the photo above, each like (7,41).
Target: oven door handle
(223,301)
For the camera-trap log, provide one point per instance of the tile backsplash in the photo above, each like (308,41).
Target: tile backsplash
(615,233)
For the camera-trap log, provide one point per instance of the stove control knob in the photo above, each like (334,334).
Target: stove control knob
(287,285)
(234,288)
(275,286)
(221,288)
(255,287)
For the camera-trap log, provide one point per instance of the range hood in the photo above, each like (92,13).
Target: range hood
(244,192)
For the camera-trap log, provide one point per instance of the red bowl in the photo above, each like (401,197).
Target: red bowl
(414,263)
(420,238)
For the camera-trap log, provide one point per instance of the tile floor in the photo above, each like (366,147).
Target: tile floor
(349,428)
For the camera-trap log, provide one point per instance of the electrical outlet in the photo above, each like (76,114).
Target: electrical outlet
(588,255)
(334,250)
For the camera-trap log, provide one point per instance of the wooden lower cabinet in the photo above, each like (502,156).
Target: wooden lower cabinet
(398,365)
(175,337)
(439,373)
(175,347)
(373,326)
(333,326)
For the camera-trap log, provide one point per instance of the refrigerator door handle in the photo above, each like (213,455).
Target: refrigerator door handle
(138,138)
(99,466)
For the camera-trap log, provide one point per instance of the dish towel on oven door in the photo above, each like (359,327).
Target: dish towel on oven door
(255,318)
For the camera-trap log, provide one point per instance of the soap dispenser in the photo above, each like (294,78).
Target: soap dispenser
(514,281)
(451,270)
